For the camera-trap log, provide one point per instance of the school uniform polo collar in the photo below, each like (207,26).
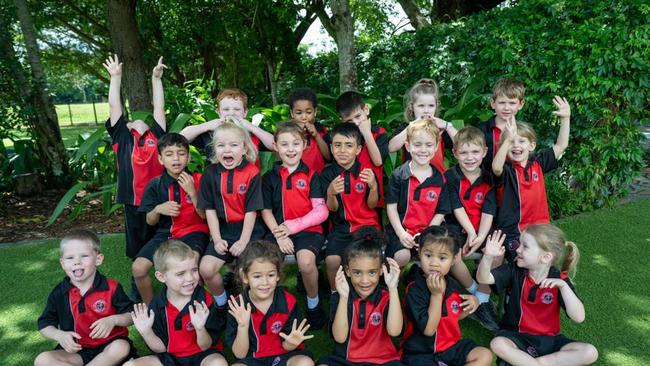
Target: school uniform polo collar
(278,168)
(526,168)
(483,177)
(198,295)
(241,166)
(406,174)
(532,293)
(99,284)
(278,305)
(492,123)
(374,298)
(355,169)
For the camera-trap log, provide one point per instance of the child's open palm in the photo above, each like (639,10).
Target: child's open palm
(494,244)
(342,286)
(113,65)
(199,314)
(391,277)
(563,107)
(240,311)
(142,317)
(158,70)
(297,335)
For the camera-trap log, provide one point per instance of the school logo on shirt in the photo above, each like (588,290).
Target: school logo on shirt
(535,176)
(189,326)
(479,197)
(375,318)
(359,187)
(276,361)
(150,142)
(99,306)
(431,196)
(547,298)
(242,188)
(455,307)
(532,351)
(276,327)
(301,183)
(188,199)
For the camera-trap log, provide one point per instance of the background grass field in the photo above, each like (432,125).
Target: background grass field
(612,281)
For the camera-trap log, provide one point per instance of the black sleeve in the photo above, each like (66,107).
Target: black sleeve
(503,277)
(547,160)
(444,206)
(121,301)
(382,144)
(50,315)
(150,197)
(315,187)
(157,130)
(399,129)
(453,189)
(490,203)
(216,322)
(267,189)
(334,303)
(392,193)
(118,132)
(326,177)
(159,327)
(449,142)
(294,314)
(254,200)
(417,306)
(206,191)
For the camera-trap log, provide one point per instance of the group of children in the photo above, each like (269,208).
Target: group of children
(325,198)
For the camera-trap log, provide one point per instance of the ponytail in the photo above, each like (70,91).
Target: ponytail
(571,258)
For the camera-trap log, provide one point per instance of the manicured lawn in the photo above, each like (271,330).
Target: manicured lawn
(612,281)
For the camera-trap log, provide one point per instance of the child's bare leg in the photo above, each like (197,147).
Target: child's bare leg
(58,357)
(215,359)
(113,354)
(509,352)
(145,361)
(479,356)
(209,269)
(574,353)
(140,269)
(300,360)
(332,262)
(402,257)
(307,266)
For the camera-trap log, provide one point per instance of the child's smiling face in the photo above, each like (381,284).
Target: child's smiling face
(79,261)
(290,148)
(262,278)
(520,149)
(364,273)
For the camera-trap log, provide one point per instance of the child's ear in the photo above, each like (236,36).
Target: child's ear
(521,103)
(366,109)
(359,147)
(547,257)
(160,159)
(99,259)
(533,144)
(407,146)
(243,277)
(484,152)
(160,276)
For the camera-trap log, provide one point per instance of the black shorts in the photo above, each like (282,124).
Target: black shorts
(231,232)
(395,245)
(337,241)
(336,360)
(279,360)
(196,240)
(536,345)
(167,359)
(304,241)
(454,355)
(88,354)
(137,231)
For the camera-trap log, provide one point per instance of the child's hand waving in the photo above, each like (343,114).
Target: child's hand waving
(158,70)
(142,318)
(240,311)
(563,107)
(391,278)
(113,65)
(494,244)
(342,286)
(199,313)
(297,335)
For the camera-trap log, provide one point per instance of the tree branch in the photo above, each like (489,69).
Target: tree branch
(84,14)
(418,21)
(82,35)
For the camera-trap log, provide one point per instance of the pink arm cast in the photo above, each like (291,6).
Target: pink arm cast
(316,216)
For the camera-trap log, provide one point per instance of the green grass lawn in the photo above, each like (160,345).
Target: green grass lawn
(612,281)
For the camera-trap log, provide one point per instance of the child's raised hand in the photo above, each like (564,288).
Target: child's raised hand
(113,65)
(391,277)
(336,186)
(187,182)
(101,328)
(221,246)
(441,124)
(364,126)
(169,208)
(240,311)
(238,247)
(511,128)
(436,284)
(281,231)
(552,283)
(297,335)
(494,244)
(142,318)
(286,245)
(368,177)
(563,107)
(470,303)
(310,129)
(158,70)
(199,313)
(342,286)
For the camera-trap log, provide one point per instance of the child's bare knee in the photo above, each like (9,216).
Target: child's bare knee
(590,354)
(118,349)
(140,267)
(43,359)
(499,345)
(306,262)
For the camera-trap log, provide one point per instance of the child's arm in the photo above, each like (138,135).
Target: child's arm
(572,304)
(483,229)
(316,216)
(192,132)
(143,319)
(265,137)
(297,335)
(158,94)
(368,176)
(436,285)
(340,325)
(246,232)
(499,160)
(114,68)
(63,338)
(445,126)
(335,187)
(564,113)
(437,219)
(241,313)
(405,238)
(101,328)
(395,319)
(189,186)
(371,144)
(469,305)
(465,223)
(169,208)
(397,141)
(493,248)
(220,245)
(323,147)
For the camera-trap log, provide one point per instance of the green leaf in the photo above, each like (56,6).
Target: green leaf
(65,200)
(179,123)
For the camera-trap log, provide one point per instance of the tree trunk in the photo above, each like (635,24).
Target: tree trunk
(449,10)
(125,37)
(418,21)
(273,86)
(341,27)
(51,150)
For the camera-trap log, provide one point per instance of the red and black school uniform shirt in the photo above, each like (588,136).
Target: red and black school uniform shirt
(68,310)
(289,195)
(528,308)
(264,329)
(438,159)
(353,211)
(492,135)
(417,202)
(203,142)
(524,193)
(231,193)
(368,340)
(165,188)
(174,327)
(416,307)
(137,159)
(312,155)
(476,197)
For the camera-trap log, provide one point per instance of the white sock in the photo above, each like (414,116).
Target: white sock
(472,289)
(482,297)
(312,302)
(221,299)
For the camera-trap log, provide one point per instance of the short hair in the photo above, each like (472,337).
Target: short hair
(426,125)
(292,127)
(348,130)
(230,123)
(469,135)
(551,239)
(524,130)
(81,235)
(258,250)
(302,94)
(172,139)
(232,93)
(171,249)
(347,102)
(509,88)
(368,242)
(422,86)
(439,235)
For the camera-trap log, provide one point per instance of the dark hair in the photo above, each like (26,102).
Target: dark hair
(260,250)
(81,235)
(439,235)
(172,139)
(348,130)
(302,94)
(348,102)
(291,127)
(367,242)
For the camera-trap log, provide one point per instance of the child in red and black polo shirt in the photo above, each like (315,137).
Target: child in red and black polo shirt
(134,144)
(170,202)
(364,315)
(522,175)
(535,290)
(87,314)
(304,108)
(230,193)
(182,323)
(352,194)
(433,306)
(294,209)
(263,327)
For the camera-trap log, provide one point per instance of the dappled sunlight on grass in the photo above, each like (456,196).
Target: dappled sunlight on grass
(602,261)
(620,358)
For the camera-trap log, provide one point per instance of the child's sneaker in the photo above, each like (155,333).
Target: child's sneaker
(487,316)
(316,317)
